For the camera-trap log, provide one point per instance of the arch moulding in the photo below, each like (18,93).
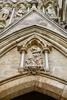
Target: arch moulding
(27,82)
(39,81)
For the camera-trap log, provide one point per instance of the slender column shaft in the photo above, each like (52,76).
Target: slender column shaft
(46,61)
(22,58)
(28,9)
(12,15)
(46,52)
(59,9)
(22,51)
(60,3)
(64,10)
(43,10)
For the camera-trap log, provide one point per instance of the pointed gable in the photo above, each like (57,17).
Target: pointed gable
(34,17)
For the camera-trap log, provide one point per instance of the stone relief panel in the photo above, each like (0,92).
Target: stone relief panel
(34,57)
(11,10)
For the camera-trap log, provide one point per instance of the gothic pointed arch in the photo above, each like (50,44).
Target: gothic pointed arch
(34,56)
(35,41)
(33,48)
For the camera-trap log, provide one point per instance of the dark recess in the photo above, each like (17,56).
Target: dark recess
(34,96)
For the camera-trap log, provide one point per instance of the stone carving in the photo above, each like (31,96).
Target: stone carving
(32,60)
(11,10)
(2,21)
(51,11)
(4,14)
(6,11)
(34,57)
(21,9)
(21,6)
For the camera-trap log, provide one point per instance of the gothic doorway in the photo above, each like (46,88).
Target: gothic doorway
(34,96)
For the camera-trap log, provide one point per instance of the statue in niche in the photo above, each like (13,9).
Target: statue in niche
(6,11)
(34,57)
(40,3)
(51,11)
(22,10)
(4,15)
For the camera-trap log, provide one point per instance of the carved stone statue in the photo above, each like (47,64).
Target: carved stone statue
(34,57)
(22,10)
(4,14)
(51,11)
(2,21)
(13,9)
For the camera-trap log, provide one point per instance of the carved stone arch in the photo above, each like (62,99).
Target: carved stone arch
(23,84)
(34,41)
(34,55)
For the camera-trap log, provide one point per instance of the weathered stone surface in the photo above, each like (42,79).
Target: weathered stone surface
(30,83)
(64,95)
(40,62)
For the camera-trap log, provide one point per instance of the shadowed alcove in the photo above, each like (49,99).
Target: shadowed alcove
(34,96)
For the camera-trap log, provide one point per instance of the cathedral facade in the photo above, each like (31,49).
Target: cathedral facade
(33,48)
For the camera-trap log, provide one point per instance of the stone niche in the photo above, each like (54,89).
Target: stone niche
(34,57)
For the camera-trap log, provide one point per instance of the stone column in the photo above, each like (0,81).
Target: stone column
(12,15)
(64,10)
(22,57)
(28,7)
(59,9)
(14,5)
(43,9)
(46,52)
(22,51)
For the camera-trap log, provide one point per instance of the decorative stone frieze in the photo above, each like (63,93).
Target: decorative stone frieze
(13,9)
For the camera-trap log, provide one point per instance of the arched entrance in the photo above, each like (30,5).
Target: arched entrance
(23,84)
(34,96)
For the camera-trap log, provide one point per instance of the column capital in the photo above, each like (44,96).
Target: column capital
(47,48)
(21,49)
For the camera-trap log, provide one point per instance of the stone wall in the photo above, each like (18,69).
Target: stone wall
(9,64)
